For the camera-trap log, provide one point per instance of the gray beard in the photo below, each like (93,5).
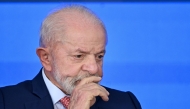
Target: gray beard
(69,83)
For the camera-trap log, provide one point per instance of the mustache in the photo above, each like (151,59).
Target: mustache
(78,78)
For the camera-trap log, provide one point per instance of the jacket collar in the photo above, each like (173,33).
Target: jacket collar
(39,87)
(41,92)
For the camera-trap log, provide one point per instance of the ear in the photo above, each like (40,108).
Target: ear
(45,58)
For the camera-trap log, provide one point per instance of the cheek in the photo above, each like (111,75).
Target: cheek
(66,67)
(71,70)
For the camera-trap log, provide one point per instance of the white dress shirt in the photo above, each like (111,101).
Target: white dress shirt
(55,93)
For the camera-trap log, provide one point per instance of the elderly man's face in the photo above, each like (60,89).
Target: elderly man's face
(79,55)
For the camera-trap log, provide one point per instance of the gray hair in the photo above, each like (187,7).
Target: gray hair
(51,23)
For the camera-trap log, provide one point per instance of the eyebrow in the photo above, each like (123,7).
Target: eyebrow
(103,51)
(81,51)
(87,52)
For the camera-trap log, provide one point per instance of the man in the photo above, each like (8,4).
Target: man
(72,47)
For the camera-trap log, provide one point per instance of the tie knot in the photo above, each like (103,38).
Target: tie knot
(65,101)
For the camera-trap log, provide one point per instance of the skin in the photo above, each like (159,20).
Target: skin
(81,50)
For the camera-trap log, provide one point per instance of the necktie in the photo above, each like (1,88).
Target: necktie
(65,101)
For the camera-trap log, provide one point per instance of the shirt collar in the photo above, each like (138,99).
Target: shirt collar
(55,93)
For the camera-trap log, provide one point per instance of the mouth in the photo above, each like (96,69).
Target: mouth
(79,79)
(77,82)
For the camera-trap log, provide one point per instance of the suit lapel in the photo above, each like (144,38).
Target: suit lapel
(41,92)
(44,103)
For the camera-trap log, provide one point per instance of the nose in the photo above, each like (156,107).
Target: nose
(90,65)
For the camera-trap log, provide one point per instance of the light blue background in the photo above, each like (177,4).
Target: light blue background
(148,51)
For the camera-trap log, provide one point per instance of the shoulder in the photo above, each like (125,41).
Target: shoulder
(18,88)
(122,99)
(14,92)
(21,89)
(15,96)
(118,93)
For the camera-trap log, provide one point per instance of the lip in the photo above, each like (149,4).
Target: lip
(77,82)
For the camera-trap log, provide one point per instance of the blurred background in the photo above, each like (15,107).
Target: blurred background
(148,51)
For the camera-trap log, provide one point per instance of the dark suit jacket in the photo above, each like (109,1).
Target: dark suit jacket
(33,94)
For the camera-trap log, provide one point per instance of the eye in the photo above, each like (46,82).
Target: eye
(100,57)
(78,56)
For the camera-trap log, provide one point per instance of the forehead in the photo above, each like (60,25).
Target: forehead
(90,48)
(83,38)
(82,31)
(86,38)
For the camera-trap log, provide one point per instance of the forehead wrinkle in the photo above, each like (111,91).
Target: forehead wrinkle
(83,47)
(82,51)
(76,49)
(75,42)
(88,52)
